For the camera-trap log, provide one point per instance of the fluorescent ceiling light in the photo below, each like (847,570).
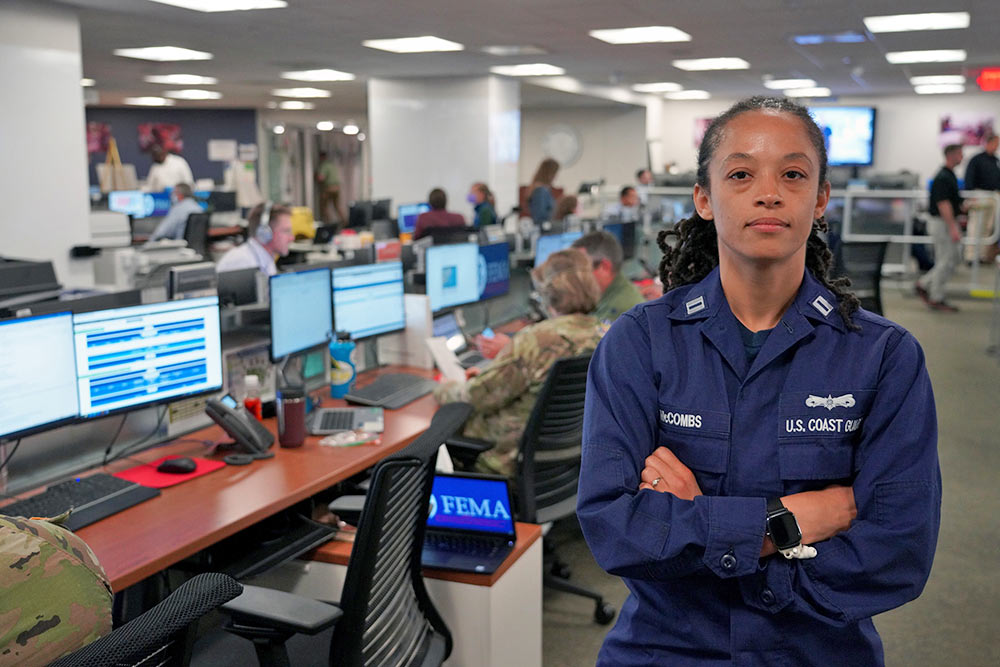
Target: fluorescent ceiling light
(300,92)
(295,105)
(318,75)
(163,53)
(939,89)
(514,50)
(704,64)
(528,69)
(788,84)
(808,92)
(324,125)
(425,44)
(149,101)
(659,87)
(278,129)
(224,5)
(181,79)
(939,56)
(940,78)
(846,37)
(642,35)
(87,83)
(194,94)
(910,22)
(688,95)
(351,129)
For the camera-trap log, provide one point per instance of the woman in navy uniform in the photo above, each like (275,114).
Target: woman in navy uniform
(752,409)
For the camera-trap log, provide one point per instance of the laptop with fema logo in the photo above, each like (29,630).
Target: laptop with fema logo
(470,525)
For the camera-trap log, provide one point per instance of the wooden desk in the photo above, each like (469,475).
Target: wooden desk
(191,516)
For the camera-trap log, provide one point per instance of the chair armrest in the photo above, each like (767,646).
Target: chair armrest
(266,608)
(465,450)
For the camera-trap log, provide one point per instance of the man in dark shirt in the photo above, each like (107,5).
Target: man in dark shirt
(437,216)
(945,206)
(983,172)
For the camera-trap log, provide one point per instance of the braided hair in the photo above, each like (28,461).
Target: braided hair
(691,249)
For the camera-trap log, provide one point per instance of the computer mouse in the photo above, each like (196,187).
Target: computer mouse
(178,466)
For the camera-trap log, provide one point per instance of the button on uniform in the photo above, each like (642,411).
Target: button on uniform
(767,597)
(729,562)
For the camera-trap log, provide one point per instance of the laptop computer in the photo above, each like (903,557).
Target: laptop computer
(446,325)
(470,525)
(324,421)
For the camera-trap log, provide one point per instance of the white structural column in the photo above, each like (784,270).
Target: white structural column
(446,133)
(43,152)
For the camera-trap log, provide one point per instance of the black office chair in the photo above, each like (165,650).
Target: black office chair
(548,465)
(388,618)
(862,263)
(196,233)
(164,634)
(444,235)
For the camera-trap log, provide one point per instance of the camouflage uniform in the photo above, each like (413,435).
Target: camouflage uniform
(504,393)
(54,596)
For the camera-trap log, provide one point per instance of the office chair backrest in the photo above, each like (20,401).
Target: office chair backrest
(384,229)
(196,233)
(444,235)
(862,263)
(388,617)
(549,458)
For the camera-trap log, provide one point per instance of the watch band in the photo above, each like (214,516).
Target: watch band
(774,505)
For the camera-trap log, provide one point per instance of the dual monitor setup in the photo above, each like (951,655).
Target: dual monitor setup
(364,213)
(547,244)
(138,204)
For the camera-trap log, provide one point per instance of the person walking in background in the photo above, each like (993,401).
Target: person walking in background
(945,207)
(167,171)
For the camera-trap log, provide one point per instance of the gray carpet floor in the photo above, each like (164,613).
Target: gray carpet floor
(953,622)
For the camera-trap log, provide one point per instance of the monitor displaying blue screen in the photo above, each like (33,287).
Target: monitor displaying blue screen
(301,311)
(452,274)
(368,299)
(408,214)
(37,374)
(137,355)
(494,270)
(471,503)
(849,133)
(144,204)
(551,243)
(615,229)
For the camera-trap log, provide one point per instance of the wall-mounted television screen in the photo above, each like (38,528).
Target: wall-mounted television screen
(849,133)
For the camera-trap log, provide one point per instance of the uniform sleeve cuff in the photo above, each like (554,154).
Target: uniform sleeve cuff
(735,534)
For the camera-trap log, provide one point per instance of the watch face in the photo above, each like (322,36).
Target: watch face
(784,531)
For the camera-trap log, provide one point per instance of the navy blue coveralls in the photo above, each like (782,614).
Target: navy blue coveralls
(820,405)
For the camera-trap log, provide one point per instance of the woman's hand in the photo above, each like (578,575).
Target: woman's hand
(665,473)
(820,514)
(490,347)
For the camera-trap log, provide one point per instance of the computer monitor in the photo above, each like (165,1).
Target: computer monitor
(368,299)
(139,204)
(408,214)
(546,245)
(301,311)
(37,374)
(186,280)
(849,133)
(625,233)
(380,209)
(452,274)
(75,304)
(136,356)
(359,214)
(221,202)
(494,270)
(237,288)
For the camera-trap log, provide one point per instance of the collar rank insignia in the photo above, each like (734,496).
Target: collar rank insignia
(822,305)
(695,305)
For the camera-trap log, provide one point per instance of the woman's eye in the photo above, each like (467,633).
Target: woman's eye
(794,174)
(739,175)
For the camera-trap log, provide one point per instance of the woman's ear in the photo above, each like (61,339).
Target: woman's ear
(703,203)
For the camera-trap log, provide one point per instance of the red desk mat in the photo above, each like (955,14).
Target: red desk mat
(147,474)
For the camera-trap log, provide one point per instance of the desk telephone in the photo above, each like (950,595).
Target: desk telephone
(249,434)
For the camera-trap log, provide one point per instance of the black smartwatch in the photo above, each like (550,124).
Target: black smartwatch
(782,528)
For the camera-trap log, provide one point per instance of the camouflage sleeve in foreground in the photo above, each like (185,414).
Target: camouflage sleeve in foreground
(55,595)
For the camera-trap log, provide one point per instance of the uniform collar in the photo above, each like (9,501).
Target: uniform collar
(814,302)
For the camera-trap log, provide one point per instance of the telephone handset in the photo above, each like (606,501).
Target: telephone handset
(249,434)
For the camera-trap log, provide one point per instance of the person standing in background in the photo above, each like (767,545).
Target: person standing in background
(644,178)
(328,183)
(983,173)
(541,201)
(168,170)
(484,203)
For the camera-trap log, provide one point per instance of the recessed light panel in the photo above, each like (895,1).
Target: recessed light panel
(658,87)
(318,75)
(688,95)
(788,84)
(324,125)
(424,44)
(939,89)
(529,69)
(911,22)
(295,105)
(163,53)
(351,129)
(938,56)
(149,101)
(194,94)
(181,79)
(847,37)
(808,92)
(514,50)
(224,5)
(642,35)
(87,83)
(706,64)
(300,92)
(958,79)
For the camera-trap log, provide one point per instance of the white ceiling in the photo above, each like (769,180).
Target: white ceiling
(252,48)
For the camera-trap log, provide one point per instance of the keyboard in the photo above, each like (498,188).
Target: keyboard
(392,390)
(91,499)
(465,544)
(336,421)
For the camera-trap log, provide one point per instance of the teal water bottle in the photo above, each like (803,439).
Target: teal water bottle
(342,372)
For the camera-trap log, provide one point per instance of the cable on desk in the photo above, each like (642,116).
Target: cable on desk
(107,450)
(141,442)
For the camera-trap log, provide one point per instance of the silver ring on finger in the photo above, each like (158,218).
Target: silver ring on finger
(655,482)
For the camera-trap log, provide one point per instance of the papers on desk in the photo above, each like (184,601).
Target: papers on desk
(445,359)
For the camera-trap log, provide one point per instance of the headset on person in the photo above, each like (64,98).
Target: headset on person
(264,233)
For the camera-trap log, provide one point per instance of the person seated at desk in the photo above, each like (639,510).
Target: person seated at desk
(56,596)
(485,205)
(437,216)
(504,394)
(626,209)
(168,170)
(269,233)
(174,222)
(618,294)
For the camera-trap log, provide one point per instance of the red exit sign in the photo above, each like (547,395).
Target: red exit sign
(989,79)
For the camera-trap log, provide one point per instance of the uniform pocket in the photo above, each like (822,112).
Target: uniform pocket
(817,432)
(700,439)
